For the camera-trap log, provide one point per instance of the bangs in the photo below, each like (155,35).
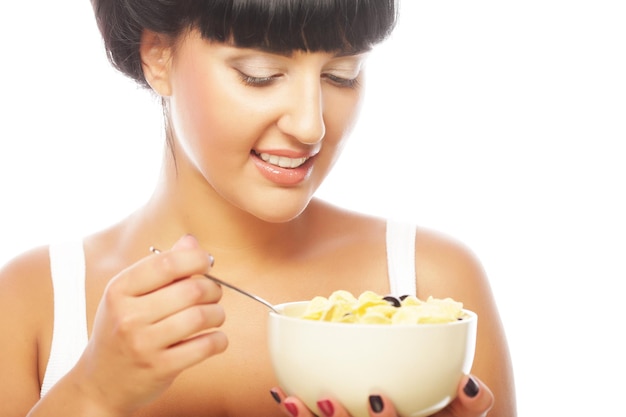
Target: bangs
(350,26)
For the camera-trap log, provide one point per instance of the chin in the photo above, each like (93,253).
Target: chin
(279,217)
(278,212)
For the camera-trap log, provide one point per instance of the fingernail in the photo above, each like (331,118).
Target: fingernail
(186,241)
(211,260)
(376,403)
(275,396)
(293,410)
(327,407)
(471,388)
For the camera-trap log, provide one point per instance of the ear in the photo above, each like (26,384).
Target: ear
(156,53)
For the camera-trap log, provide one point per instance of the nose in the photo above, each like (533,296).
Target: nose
(303,117)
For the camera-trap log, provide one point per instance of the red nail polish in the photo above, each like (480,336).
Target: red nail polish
(291,407)
(327,408)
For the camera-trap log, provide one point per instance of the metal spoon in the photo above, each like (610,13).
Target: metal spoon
(226,284)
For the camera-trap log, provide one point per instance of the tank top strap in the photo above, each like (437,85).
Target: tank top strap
(401,257)
(69,336)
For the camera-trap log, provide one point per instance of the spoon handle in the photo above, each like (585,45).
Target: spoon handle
(232,287)
(239,290)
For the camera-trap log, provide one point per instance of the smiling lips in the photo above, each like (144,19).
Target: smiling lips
(283,170)
(283,161)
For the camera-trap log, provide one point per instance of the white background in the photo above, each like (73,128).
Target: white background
(501,123)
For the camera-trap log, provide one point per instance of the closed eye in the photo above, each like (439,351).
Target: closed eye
(253,81)
(257,81)
(343,82)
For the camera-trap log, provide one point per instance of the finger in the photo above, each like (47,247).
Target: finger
(185,324)
(159,270)
(279,397)
(330,407)
(194,350)
(474,398)
(290,406)
(177,297)
(380,406)
(186,242)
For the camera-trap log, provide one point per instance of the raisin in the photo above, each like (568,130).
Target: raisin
(392,300)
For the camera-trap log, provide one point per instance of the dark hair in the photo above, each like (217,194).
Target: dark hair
(275,25)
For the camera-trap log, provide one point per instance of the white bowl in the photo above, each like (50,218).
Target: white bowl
(417,366)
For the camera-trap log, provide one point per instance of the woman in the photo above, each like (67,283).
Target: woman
(259,98)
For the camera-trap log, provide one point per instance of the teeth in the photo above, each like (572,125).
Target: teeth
(283,161)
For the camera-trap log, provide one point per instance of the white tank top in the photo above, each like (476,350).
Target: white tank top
(67,267)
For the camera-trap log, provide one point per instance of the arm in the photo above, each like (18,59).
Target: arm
(22,287)
(26,319)
(155,319)
(445,268)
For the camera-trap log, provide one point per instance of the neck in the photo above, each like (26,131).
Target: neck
(187,205)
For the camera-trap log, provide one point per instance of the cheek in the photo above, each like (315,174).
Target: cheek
(189,105)
(341,114)
(205,120)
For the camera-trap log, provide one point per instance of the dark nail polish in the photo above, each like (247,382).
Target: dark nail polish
(376,402)
(275,396)
(471,388)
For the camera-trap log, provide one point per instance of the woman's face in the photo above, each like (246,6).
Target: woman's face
(261,130)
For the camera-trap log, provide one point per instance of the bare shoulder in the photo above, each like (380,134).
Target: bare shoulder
(25,283)
(446,267)
(26,310)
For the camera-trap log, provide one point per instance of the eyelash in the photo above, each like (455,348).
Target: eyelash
(343,82)
(257,81)
(266,81)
